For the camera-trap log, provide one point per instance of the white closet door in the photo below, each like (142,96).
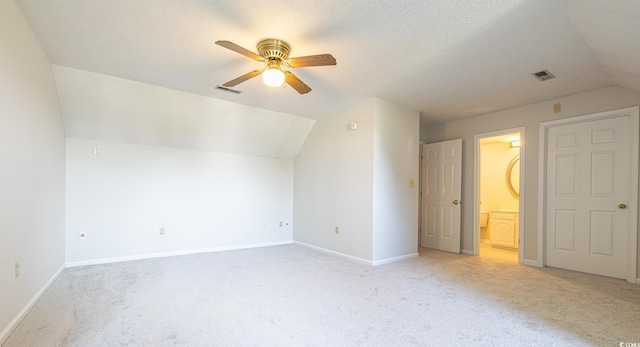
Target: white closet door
(587,191)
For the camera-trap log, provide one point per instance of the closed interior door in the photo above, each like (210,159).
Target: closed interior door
(588,180)
(441,192)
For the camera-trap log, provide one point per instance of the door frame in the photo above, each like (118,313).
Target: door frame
(476,190)
(420,216)
(632,232)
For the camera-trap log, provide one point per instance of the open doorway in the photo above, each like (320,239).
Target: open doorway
(497,212)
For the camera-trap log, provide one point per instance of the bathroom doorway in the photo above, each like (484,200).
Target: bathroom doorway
(497,212)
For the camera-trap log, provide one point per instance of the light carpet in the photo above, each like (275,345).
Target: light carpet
(294,296)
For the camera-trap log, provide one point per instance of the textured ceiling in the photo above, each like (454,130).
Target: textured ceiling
(446,59)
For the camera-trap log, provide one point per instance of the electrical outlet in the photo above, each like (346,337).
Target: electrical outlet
(280,224)
(96,150)
(82,235)
(556,108)
(337,230)
(162,230)
(17,269)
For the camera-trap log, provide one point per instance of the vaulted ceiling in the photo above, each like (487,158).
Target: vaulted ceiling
(446,59)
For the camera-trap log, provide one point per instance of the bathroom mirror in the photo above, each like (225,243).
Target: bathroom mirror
(513,177)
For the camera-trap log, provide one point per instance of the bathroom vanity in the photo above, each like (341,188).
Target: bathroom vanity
(503,228)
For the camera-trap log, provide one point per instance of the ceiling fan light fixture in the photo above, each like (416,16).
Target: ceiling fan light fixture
(275,53)
(273,76)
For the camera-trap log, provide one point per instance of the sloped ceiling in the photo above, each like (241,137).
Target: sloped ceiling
(611,29)
(446,59)
(100,107)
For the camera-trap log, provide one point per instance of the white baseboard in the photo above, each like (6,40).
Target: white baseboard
(359,260)
(467,252)
(394,259)
(174,253)
(328,251)
(20,316)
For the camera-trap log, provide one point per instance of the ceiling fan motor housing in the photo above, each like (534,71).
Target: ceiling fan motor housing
(273,49)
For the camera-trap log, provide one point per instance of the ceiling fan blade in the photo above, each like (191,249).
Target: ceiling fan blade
(312,60)
(243,78)
(296,83)
(232,46)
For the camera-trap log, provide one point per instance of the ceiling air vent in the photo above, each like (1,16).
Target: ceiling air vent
(228,90)
(543,75)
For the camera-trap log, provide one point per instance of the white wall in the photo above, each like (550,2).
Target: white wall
(31,168)
(204,200)
(395,162)
(530,116)
(333,183)
(358,180)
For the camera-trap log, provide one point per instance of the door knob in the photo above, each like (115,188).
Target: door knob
(622,206)
(455,202)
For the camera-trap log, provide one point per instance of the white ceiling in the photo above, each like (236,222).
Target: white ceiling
(446,59)
(100,107)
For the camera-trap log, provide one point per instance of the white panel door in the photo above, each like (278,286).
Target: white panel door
(441,192)
(588,175)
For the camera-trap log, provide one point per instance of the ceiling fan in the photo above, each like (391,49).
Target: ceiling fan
(275,54)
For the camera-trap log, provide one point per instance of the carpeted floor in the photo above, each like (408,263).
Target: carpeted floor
(294,296)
